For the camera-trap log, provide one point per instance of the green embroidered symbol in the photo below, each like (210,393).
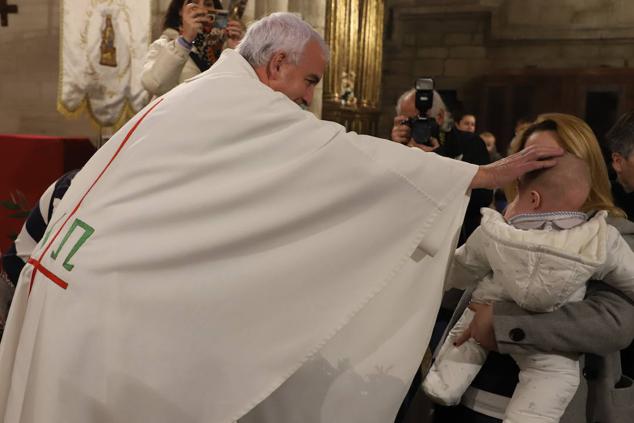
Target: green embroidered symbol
(88,231)
(51,227)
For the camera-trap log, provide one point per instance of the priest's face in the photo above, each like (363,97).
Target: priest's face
(298,81)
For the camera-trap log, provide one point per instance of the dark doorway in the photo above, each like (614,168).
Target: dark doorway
(453,103)
(602,109)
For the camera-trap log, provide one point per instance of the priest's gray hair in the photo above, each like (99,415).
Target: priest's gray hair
(278,32)
(438,106)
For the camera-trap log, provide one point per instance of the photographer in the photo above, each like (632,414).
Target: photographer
(446,141)
(190,44)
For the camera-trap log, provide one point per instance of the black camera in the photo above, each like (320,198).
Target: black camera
(423,127)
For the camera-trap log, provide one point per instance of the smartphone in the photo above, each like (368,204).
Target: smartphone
(221,18)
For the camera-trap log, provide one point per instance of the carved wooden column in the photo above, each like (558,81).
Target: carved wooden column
(354,31)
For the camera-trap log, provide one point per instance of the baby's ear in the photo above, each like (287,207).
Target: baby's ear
(536,199)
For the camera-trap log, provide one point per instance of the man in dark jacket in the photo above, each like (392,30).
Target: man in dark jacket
(621,141)
(448,142)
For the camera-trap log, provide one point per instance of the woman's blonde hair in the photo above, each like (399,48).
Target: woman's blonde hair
(576,137)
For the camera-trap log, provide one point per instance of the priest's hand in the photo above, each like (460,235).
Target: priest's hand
(507,170)
(481,327)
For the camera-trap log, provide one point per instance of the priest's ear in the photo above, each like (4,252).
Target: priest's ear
(274,67)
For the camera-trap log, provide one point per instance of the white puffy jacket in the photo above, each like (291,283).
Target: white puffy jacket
(540,269)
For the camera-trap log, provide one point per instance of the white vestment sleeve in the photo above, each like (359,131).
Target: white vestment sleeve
(364,372)
(440,179)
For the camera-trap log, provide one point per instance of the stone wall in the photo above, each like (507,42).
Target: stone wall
(29,63)
(458,41)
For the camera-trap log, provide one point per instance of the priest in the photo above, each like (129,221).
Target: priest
(228,256)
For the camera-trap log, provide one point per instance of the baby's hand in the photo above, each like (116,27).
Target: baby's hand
(481,327)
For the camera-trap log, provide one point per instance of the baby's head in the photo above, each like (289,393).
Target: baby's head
(564,187)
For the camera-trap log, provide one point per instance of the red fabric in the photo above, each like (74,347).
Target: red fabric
(29,164)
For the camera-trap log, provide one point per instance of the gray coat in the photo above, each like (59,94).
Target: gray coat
(599,326)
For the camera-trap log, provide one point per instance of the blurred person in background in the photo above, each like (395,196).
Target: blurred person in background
(489,141)
(189,44)
(467,122)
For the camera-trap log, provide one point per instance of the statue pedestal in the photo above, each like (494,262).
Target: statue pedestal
(359,119)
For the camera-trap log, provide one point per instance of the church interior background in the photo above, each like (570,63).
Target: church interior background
(498,59)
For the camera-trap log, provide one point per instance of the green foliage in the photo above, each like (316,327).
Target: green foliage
(10,205)
(18,206)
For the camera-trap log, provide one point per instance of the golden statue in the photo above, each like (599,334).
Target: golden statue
(108,50)
(347,89)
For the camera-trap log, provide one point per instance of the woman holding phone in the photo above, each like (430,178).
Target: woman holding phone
(189,44)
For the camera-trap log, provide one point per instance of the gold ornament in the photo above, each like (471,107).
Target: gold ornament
(108,50)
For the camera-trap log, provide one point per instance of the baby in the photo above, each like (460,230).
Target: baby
(539,255)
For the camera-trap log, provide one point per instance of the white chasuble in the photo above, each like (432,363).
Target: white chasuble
(102,49)
(225,242)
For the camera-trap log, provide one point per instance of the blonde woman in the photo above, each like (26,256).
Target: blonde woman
(602,324)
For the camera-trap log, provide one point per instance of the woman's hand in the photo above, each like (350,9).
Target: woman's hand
(194,17)
(235,32)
